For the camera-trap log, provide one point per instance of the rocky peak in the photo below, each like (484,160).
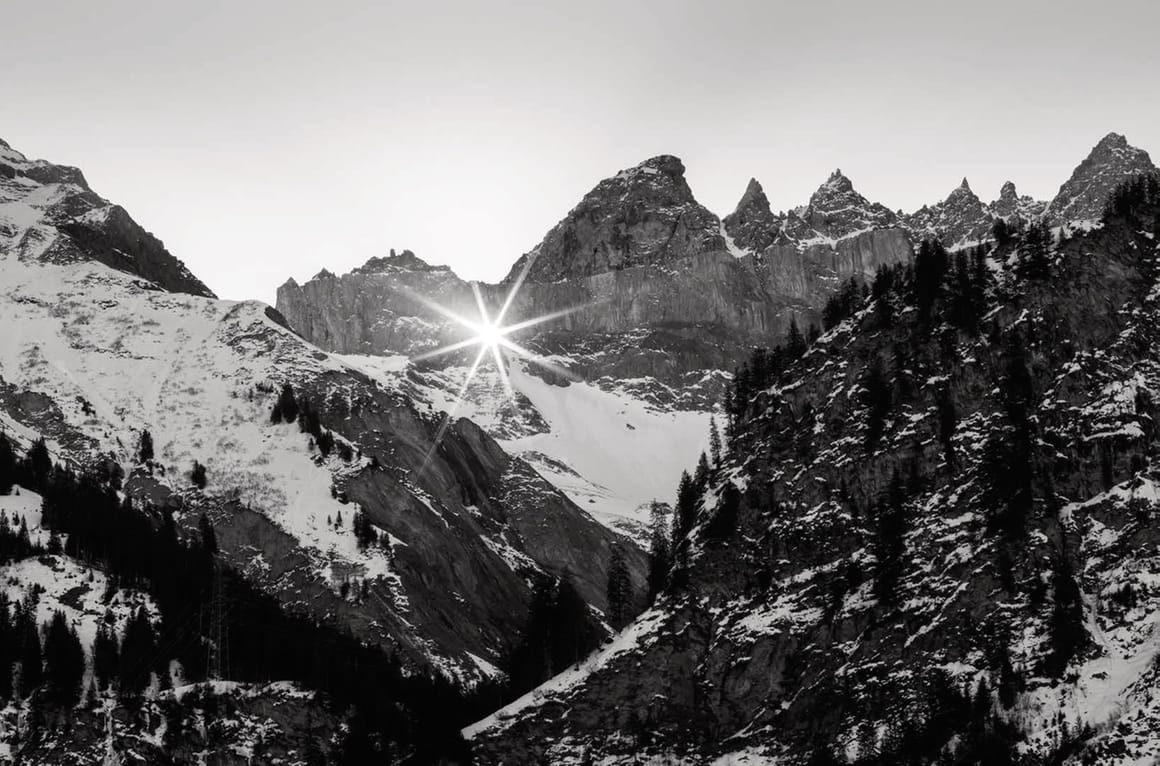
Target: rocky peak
(49,213)
(643,215)
(957,220)
(837,210)
(1111,161)
(752,225)
(1010,206)
(397,262)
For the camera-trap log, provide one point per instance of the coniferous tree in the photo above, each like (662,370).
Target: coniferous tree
(7,648)
(1033,262)
(795,342)
(286,407)
(64,661)
(703,472)
(145,447)
(890,545)
(714,443)
(619,591)
(685,513)
(29,656)
(197,475)
(659,552)
(877,397)
(38,462)
(137,654)
(1068,634)
(7,465)
(106,656)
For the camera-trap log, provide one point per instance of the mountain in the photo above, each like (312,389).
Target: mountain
(671,300)
(642,216)
(49,213)
(961,219)
(932,538)
(1083,196)
(107,338)
(663,311)
(1012,207)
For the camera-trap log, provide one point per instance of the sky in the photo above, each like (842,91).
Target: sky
(267,140)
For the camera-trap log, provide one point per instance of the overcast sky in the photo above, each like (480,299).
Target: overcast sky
(263,140)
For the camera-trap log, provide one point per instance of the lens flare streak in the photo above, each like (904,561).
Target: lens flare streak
(492,338)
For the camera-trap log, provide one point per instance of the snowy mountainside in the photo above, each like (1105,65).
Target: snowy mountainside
(48,212)
(611,451)
(933,539)
(94,355)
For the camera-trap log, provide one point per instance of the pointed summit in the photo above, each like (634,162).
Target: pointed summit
(1111,162)
(836,210)
(641,216)
(1007,191)
(752,224)
(964,185)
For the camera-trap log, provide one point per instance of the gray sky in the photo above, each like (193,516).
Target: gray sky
(262,140)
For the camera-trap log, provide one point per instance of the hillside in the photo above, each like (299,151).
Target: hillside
(932,538)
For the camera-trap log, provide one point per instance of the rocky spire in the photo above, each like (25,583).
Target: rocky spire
(1010,206)
(752,225)
(1110,162)
(837,210)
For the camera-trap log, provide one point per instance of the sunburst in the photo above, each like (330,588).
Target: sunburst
(493,340)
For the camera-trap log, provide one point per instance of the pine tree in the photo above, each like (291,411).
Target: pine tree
(31,669)
(7,465)
(64,661)
(877,397)
(703,473)
(659,553)
(145,447)
(197,476)
(39,463)
(685,514)
(1033,262)
(106,659)
(619,591)
(890,545)
(714,443)
(137,651)
(7,648)
(286,407)
(795,342)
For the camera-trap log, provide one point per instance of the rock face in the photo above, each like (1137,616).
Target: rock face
(642,216)
(50,213)
(958,220)
(907,585)
(1083,196)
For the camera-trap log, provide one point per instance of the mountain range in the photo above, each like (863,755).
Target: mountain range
(861,558)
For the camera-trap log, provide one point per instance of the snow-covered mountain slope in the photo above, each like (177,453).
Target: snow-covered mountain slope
(930,539)
(48,212)
(610,450)
(91,357)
